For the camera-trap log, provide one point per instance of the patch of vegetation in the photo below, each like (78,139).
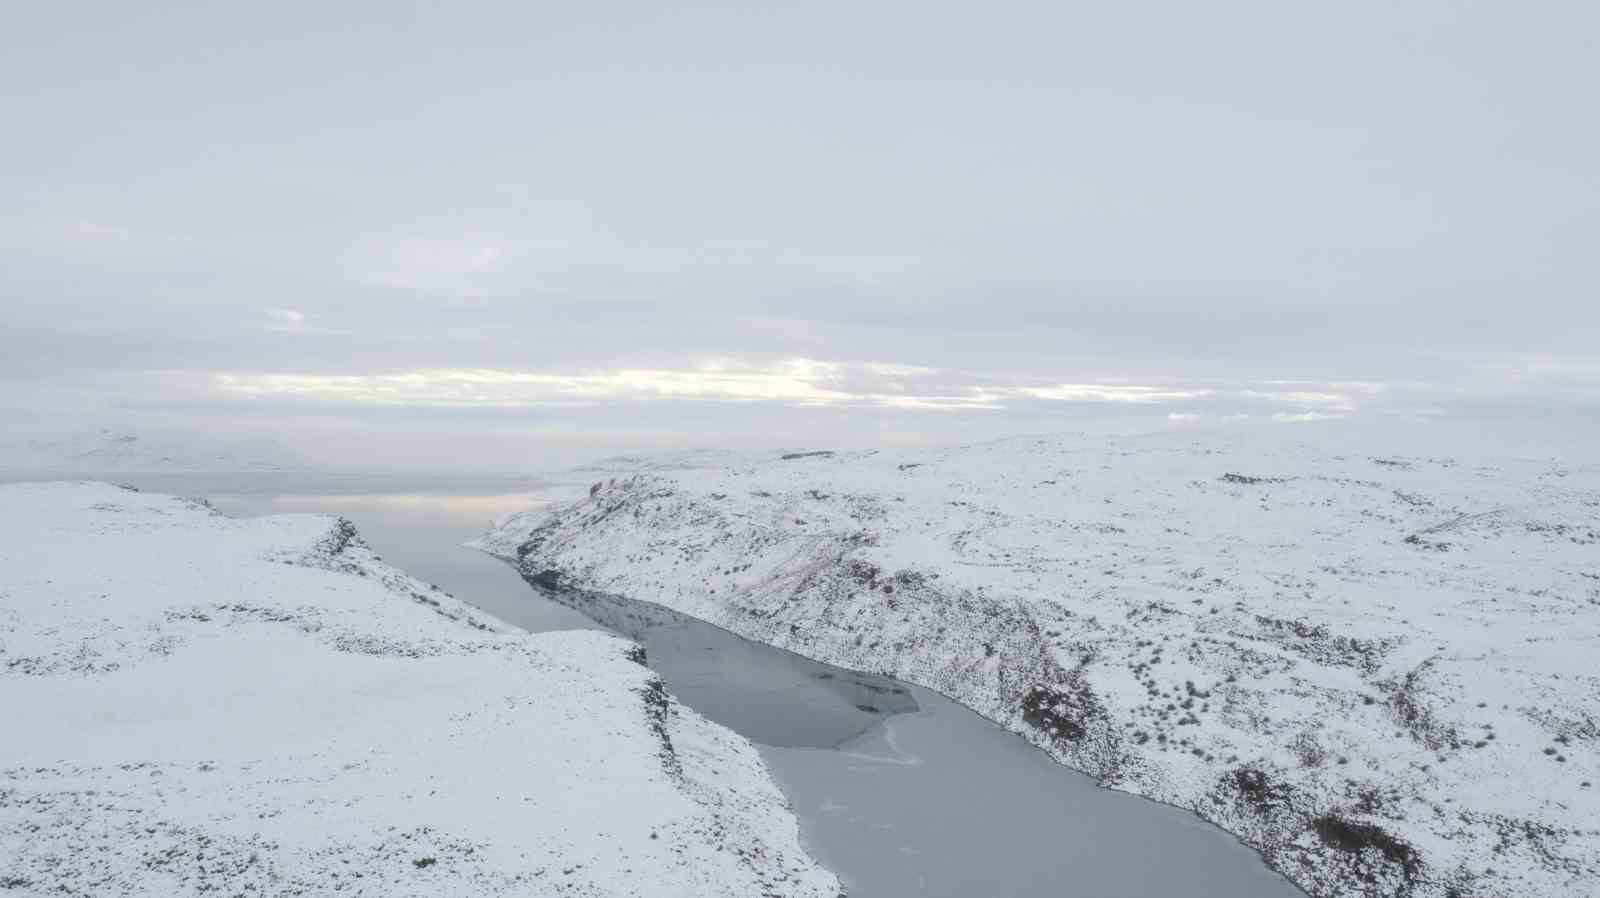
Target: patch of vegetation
(1417,540)
(1256,788)
(1356,838)
(1064,712)
(1405,700)
(1245,480)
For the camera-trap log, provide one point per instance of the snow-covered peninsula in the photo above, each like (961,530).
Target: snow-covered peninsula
(1378,669)
(197,704)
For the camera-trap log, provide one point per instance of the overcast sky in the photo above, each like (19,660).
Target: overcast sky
(601,225)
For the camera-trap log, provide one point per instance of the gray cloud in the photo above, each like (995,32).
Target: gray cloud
(1189,201)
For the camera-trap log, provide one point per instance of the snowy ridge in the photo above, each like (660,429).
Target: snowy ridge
(197,704)
(1380,671)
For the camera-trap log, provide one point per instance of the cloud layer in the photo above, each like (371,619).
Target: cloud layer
(906,221)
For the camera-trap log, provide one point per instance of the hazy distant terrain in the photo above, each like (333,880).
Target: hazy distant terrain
(1377,668)
(110,450)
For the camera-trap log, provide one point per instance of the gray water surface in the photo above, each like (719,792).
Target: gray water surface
(900,791)
(903,792)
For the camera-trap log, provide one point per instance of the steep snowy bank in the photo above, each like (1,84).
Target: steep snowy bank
(1378,670)
(200,704)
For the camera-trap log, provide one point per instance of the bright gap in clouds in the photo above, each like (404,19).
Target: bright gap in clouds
(796,382)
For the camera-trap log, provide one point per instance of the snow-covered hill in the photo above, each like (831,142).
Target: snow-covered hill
(196,704)
(1382,671)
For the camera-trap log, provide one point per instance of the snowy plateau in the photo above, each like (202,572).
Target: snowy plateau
(1382,671)
(195,704)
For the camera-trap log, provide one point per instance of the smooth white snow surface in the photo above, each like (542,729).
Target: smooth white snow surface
(195,703)
(1382,671)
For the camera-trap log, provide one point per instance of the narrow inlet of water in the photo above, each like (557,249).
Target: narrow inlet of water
(900,791)
(903,792)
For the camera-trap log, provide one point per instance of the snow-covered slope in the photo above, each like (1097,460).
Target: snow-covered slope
(195,704)
(1384,672)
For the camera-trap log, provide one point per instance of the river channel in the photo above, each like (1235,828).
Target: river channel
(900,791)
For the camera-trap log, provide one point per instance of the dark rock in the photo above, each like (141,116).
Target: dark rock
(547,579)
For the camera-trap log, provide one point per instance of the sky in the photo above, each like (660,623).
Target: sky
(429,234)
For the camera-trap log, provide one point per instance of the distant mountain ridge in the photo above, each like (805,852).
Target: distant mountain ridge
(120,450)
